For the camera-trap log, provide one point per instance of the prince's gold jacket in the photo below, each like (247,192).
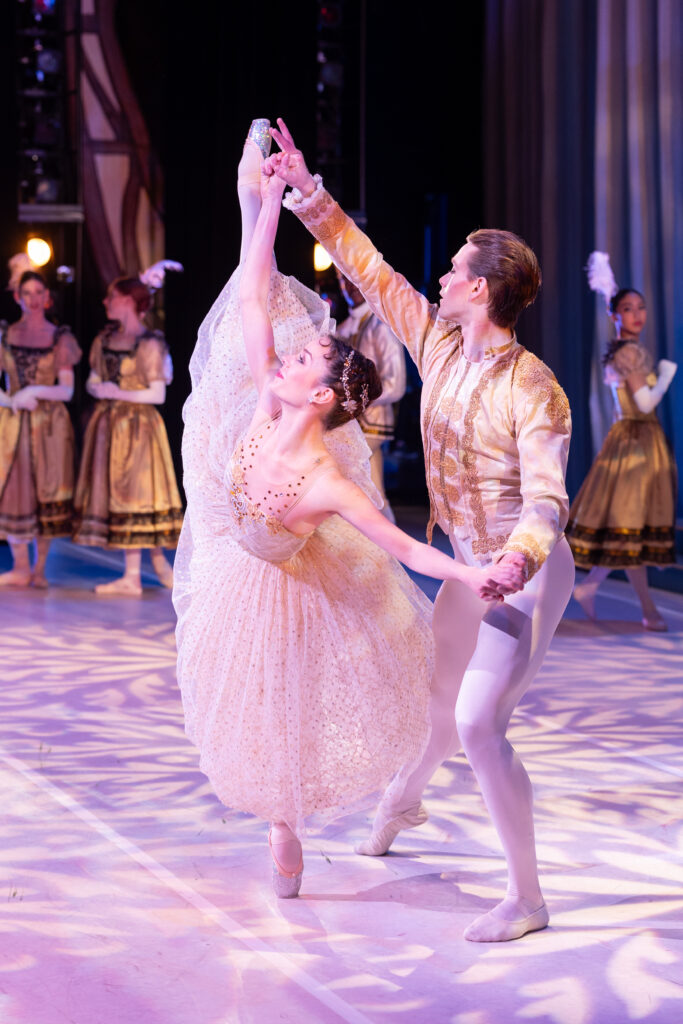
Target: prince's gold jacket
(496,433)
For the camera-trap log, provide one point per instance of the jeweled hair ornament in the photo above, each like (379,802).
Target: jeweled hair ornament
(601,277)
(349,404)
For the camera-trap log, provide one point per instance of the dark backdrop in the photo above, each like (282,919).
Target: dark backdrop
(202,78)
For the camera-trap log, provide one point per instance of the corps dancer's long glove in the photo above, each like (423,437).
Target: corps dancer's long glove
(647,398)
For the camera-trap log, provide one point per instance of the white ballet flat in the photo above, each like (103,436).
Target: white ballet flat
(491,928)
(381,838)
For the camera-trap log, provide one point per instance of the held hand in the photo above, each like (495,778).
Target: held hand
(102,389)
(272,187)
(24,399)
(480,582)
(510,570)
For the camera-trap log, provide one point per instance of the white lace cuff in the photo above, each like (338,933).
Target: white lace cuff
(295,200)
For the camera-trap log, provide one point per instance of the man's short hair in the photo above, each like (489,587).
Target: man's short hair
(511,270)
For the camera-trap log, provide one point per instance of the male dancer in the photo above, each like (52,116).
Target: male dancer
(496,428)
(367,333)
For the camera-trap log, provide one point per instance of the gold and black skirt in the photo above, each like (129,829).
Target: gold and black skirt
(36,472)
(127,495)
(624,514)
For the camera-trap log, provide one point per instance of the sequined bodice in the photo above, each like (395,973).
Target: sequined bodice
(258,519)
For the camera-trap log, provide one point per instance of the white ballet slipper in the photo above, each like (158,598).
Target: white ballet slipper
(384,832)
(492,928)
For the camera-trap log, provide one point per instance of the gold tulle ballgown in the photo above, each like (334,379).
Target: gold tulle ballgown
(304,663)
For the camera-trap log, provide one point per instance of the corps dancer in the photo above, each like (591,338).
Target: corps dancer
(36,435)
(127,496)
(366,333)
(624,514)
(496,428)
(304,650)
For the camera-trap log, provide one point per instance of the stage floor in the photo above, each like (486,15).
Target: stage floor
(130,896)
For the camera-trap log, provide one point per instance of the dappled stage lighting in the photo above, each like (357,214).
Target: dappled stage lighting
(39,251)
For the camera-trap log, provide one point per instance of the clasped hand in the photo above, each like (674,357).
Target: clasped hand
(289,165)
(495,582)
(102,389)
(24,399)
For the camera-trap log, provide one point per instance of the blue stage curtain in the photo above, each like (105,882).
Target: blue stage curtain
(583,149)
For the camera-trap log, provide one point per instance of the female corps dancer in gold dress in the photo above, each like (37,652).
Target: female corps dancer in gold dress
(127,496)
(36,435)
(304,650)
(623,516)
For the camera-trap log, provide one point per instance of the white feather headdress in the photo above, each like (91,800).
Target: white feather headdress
(154,276)
(600,276)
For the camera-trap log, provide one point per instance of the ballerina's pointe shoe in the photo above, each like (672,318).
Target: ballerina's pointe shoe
(256,149)
(385,831)
(492,927)
(259,133)
(286,884)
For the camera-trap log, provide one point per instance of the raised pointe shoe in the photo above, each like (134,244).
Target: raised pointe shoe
(259,132)
(492,928)
(256,149)
(286,884)
(381,838)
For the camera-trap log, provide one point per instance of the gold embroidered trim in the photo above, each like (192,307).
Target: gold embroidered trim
(313,213)
(532,551)
(537,379)
(330,227)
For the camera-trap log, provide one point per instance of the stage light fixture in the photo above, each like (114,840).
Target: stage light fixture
(39,251)
(321,258)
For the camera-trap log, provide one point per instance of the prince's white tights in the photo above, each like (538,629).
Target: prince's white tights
(485,660)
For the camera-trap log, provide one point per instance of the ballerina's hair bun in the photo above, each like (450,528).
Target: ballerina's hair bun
(353,378)
(138,292)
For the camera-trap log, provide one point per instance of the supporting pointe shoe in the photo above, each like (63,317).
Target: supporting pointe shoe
(655,623)
(492,928)
(286,884)
(383,834)
(585,594)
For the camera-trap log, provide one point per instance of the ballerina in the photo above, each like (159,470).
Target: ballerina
(304,650)
(624,514)
(36,435)
(127,496)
